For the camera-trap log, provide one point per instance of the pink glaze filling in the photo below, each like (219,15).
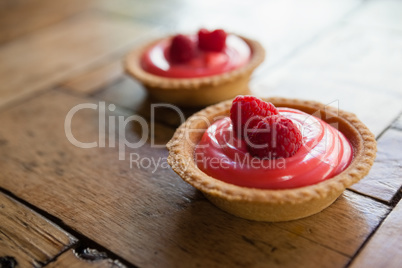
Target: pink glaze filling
(236,54)
(325,153)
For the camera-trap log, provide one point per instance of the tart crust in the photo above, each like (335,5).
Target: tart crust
(267,204)
(192,92)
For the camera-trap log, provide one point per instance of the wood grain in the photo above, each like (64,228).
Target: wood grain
(145,212)
(90,82)
(126,92)
(384,179)
(61,51)
(155,12)
(23,17)
(140,209)
(130,94)
(27,237)
(69,259)
(384,249)
(334,228)
(108,83)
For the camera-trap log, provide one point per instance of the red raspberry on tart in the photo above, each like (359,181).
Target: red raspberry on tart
(181,49)
(268,134)
(274,137)
(245,111)
(212,41)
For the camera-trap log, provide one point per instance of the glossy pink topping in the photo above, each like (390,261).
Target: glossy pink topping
(236,53)
(325,153)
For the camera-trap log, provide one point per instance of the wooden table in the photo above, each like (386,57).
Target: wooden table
(64,206)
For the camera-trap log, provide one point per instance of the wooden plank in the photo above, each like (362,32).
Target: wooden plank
(360,63)
(70,259)
(90,82)
(384,249)
(127,92)
(384,180)
(203,236)
(355,220)
(130,94)
(61,51)
(144,212)
(110,84)
(22,17)
(155,12)
(26,238)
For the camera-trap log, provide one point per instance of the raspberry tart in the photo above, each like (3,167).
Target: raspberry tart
(272,160)
(197,69)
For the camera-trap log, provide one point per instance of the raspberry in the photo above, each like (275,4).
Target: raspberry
(212,41)
(245,111)
(274,137)
(182,49)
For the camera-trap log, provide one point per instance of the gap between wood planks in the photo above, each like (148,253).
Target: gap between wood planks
(83,241)
(392,204)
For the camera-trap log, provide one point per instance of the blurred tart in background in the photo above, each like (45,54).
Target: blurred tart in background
(196,70)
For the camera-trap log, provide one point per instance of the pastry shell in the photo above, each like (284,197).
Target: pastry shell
(267,204)
(195,92)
